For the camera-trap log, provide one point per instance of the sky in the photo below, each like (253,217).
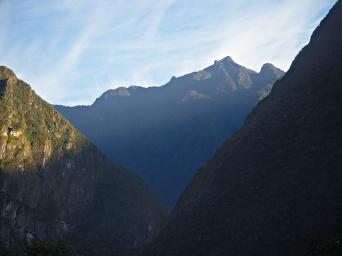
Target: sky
(71,51)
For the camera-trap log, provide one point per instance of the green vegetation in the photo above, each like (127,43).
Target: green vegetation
(36,132)
(55,184)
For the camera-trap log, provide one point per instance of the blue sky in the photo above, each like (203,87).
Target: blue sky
(71,51)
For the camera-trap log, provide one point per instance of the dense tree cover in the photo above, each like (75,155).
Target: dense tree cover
(56,184)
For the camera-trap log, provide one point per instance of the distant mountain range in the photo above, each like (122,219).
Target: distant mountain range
(55,184)
(166,133)
(256,158)
(275,187)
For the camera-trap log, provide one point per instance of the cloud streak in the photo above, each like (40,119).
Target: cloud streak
(72,50)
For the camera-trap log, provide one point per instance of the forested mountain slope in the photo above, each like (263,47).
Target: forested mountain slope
(55,184)
(274,188)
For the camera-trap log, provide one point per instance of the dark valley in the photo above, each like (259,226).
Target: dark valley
(166,133)
(223,161)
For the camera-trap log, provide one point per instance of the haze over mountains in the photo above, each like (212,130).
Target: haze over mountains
(272,184)
(274,188)
(55,184)
(166,133)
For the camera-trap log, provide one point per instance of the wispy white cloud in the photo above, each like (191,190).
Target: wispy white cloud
(273,34)
(72,50)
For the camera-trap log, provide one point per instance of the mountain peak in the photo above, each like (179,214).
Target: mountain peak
(6,73)
(7,77)
(268,69)
(111,93)
(120,91)
(173,78)
(226,59)
(268,66)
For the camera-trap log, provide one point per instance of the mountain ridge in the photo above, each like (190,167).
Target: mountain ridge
(197,75)
(273,188)
(147,127)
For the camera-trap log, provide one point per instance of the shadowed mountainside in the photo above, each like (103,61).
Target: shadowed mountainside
(275,186)
(166,133)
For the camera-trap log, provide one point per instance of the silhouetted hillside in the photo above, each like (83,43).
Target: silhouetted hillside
(274,188)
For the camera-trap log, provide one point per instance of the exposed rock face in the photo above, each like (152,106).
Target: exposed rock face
(166,133)
(55,184)
(275,186)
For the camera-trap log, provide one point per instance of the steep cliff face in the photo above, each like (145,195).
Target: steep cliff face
(166,133)
(55,184)
(274,188)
